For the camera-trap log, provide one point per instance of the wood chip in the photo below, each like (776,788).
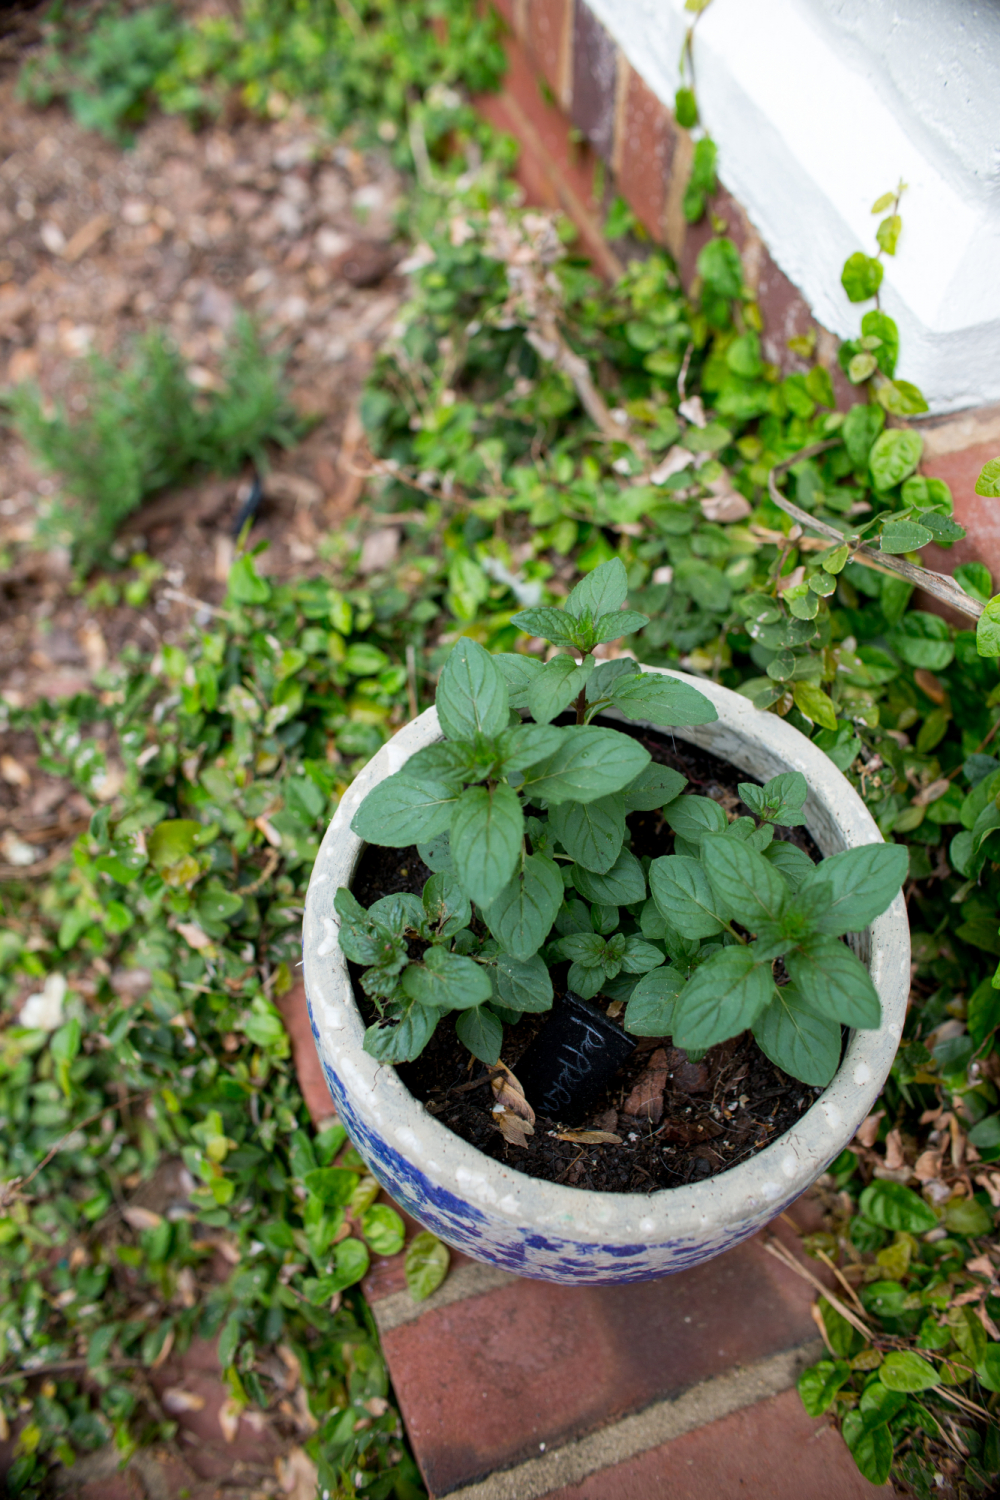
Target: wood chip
(86,238)
(589,1137)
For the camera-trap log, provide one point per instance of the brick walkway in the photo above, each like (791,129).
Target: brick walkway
(681,1388)
(677,1389)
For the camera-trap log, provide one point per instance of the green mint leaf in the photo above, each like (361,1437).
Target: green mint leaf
(398,912)
(835,983)
(604,919)
(471,693)
(553,625)
(653,788)
(681,890)
(793,863)
(486,832)
(403,810)
(405,1039)
(523,985)
(591,832)
(780,800)
(359,937)
(862,881)
(450,761)
(522,915)
(586,948)
(606,674)
(427,1261)
(436,854)
(526,745)
(797,1040)
(650,1010)
(891,1205)
(518,671)
(603,589)
(446,906)
(745,884)
(574,916)
(556,686)
(447,981)
(622,885)
(662,700)
(757,839)
(723,997)
(585,980)
(611,627)
(589,763)
(480,1031)
(692,817)
(382,982)
(640,957)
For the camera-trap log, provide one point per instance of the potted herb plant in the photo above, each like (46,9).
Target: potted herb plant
(522,822)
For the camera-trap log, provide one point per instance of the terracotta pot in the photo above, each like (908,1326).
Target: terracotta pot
(495,1213)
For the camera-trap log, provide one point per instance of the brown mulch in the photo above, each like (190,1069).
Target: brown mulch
(180,232)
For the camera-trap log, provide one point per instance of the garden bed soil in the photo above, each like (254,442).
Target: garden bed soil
(677,1121)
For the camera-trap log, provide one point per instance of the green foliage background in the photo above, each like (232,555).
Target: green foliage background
(234,750)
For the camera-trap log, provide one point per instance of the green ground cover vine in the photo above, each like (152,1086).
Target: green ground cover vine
(538,423)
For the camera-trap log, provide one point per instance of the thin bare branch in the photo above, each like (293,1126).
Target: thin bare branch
(945,589)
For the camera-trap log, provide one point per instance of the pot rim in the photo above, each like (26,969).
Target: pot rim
(759,743)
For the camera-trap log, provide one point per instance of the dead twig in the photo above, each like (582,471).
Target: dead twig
(773,1247)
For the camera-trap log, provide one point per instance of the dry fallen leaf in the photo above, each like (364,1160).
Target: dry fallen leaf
(141,1218)
(229,1422)
(513,1129)
(677,459)
(13,772)
(725,503)
(164,1354)
(194,936)
(589,1137)
(929,684)
(868,1129)
(297,1475)
(93,645)
(981,1265)
(508,1092)
(932,793)
(894,1158)
(928,1166)
(991,1182)
(174,1400)
(16,851)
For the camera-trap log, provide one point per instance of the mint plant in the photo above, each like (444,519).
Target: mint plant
(523,823)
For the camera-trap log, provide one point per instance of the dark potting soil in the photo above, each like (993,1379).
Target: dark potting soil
(677,1121)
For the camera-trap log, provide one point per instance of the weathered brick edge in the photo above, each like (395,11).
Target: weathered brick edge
(572,100)
(584,103)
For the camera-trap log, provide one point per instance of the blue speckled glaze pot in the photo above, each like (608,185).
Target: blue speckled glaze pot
(503,1217)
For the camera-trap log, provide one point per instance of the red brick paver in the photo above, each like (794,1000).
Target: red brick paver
(769,1451)
(484,1382)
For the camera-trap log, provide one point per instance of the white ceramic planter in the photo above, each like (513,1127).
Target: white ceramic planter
(499,1215)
